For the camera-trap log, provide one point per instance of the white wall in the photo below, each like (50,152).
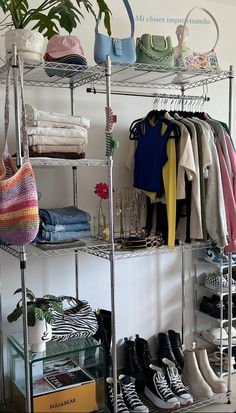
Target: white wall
(148,290)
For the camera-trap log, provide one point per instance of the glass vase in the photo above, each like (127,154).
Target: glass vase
(101,222)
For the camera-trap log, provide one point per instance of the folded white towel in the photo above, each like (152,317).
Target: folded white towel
(70,133)
(55,140)
(34,114)
(58,148)
(51,124)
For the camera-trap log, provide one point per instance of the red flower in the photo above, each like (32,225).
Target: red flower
(102,190)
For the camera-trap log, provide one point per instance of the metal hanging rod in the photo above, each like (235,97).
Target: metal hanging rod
(152,95)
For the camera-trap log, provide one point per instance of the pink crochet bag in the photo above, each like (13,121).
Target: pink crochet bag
(19,217)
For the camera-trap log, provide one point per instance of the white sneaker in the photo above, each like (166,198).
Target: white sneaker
(213,282)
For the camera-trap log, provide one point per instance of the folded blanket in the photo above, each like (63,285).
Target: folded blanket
(58,148)
(34,114)
(64,215)
(51,124)
(80,132)
(55,140)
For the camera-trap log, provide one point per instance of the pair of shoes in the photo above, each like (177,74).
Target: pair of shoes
(225,299)
(213,282)
(199,376)
(165,388)
(215,360)
(137,360)
(217,334)
(127,398)
(170,347)
(214,256)
(211,306)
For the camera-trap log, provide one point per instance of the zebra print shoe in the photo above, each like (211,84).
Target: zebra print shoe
(130,396)
(121,407)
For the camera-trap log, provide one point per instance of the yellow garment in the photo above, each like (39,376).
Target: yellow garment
(169,179)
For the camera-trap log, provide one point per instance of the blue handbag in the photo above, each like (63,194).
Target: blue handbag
(119,50)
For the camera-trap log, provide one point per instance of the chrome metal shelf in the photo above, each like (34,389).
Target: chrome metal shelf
(98,248)
(52,162)
(51,74)
(223,266)
(224,321)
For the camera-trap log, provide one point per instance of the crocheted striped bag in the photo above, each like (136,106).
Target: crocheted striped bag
(19,217)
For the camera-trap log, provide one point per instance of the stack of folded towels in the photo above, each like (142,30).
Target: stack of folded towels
(63,224)
(56,135)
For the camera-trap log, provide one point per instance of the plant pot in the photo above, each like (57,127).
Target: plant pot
(39,334)
(29,43)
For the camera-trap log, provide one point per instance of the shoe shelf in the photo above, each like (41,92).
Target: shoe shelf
(131,75)
(223,321)
(218,265)
(214,292)
(196,405)
(98,248)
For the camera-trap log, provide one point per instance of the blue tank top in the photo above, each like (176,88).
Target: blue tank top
(150,155)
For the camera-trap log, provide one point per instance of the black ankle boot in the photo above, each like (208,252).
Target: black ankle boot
(165,350)
(132,367)
(176,346)
(143,353)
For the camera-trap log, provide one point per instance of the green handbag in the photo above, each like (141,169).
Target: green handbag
(155,50)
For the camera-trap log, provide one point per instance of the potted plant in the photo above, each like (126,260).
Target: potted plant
(27,27)
(40,317)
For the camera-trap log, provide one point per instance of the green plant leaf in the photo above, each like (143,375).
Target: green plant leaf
(49,318)
(46,26)
(58,307)
(51,297)
(104,9)
(31,317)
(39,314)
(17,313)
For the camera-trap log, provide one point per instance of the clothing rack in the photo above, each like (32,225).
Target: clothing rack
(152,95)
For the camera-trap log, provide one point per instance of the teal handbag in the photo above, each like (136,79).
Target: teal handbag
(155,50)
(119,50)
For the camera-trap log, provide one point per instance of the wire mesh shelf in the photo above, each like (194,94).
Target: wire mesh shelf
(51,74)
(53,162)
(217,398)
(98,248)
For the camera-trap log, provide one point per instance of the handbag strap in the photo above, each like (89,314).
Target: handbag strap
(72,301)
(23,111)
(130,14)
(209,14)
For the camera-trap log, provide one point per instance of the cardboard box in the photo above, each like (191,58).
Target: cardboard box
(79,399)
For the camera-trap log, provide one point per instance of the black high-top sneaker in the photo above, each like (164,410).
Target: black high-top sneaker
(177,387)
(130,396)
(176,346)
(121,407)
(143,353)
(132,366)
(158,391)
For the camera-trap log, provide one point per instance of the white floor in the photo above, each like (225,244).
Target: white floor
(223,407)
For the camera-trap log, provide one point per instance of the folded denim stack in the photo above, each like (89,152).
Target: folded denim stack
(56,135)
(63,224)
